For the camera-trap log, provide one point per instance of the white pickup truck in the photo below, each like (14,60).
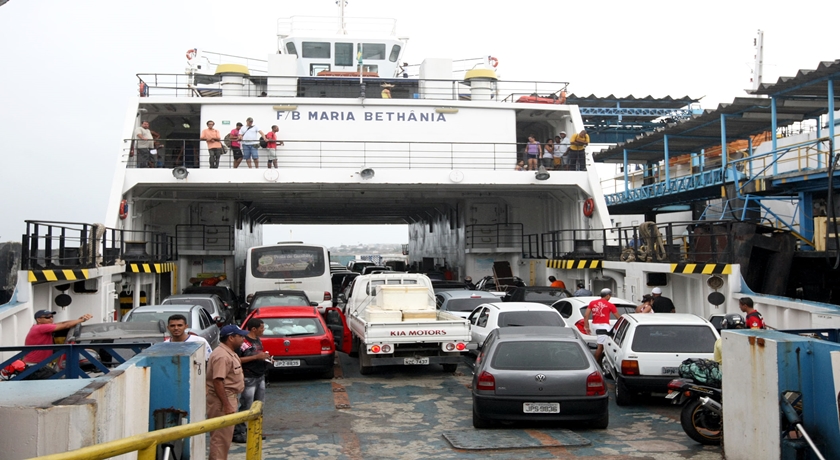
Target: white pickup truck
(394,321)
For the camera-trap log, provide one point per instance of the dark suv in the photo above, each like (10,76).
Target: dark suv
(224,293)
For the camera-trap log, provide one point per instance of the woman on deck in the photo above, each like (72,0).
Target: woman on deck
(533,150)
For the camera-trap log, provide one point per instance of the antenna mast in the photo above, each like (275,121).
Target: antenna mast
(758,68)
(342,27)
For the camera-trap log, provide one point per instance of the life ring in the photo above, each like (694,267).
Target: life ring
(191,54)
(493,61)
(588,207)
(123,209)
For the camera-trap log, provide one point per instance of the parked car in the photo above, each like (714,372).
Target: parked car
(280,298)
(643,351)
(114,333)
(225,293)
(300,340)
(538,374)
(489,316)
(488,283)
(358,265)
(543,294)
(370,269)
(463,302)
(336,267)
(210,302)
(198,320)
(449,285)
(572,310)
(337,279)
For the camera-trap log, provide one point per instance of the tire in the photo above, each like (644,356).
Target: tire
(480,422)
(606,367)
(601,423)
(701,424)
(449,368)
(622,395)
(363,358)
(354,349)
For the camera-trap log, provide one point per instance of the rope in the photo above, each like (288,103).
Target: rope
(654,246)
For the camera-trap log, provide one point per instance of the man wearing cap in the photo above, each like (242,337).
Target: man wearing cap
(225,381)
(582,291)
(561,146)
(41,333)
(661,304)
(600,310)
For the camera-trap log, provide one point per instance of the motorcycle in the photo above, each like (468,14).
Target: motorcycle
(702,413)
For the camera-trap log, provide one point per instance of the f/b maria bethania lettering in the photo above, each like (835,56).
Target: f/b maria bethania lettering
(410,116)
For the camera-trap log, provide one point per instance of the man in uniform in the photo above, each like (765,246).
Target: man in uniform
(600,310)
(225,381)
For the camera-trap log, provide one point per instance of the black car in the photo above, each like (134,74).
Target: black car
(488,283)
(280,298)
(542,294)
(225,293)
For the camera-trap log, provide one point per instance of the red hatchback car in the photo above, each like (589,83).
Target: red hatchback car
(300,340)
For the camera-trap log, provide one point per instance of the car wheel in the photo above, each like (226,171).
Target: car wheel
(479,421)
(449,368)
(622,396)
(601,423)
(363,360)
(605,366)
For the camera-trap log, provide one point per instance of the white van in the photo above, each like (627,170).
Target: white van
(290,265)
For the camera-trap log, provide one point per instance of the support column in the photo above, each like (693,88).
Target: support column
(806,219)
(667,167)
(774,127)
(626,177)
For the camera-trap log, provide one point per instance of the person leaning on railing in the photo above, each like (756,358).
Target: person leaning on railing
(41,333)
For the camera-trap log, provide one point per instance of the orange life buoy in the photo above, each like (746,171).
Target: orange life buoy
(493,61)
(123,209)
(191,54)
(588,207)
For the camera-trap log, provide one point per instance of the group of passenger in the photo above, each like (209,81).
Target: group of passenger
(559,153)
(245,142)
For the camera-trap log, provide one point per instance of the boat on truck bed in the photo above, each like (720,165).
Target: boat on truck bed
(394,321)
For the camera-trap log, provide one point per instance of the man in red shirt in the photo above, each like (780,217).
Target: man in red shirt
(271,145)
(42,334)
(754,319)
(600,310)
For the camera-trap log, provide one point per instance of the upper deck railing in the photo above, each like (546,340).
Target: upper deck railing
(204,86)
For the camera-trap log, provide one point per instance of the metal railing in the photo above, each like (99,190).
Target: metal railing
(71,357)
(146,444)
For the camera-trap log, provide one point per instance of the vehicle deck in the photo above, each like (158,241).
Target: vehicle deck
(404,413)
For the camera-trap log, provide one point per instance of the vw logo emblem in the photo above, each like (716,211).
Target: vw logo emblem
(287,342)
(540,378)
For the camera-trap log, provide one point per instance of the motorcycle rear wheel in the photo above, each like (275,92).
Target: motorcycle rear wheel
(701,424)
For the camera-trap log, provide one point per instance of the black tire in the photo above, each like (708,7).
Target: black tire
(363,357)
(354,349)
(701,424)
(480,422)
(449,368)
(601,423)
(622,395)
(606,367)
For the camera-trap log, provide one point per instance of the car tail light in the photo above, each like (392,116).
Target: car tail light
(326,344)
(675,384)
(486,381)
(327,296)
(375,349)
(461,346)
(595,385)
(629,367)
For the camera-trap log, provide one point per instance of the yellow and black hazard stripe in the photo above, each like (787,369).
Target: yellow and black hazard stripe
(702,269)
(151,268)
(565,264)
(43,276)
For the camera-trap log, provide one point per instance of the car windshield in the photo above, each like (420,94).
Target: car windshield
(290,327)
(464,304)
(539,355)
(280,301)
(674,339)
(530,318)
(141,316)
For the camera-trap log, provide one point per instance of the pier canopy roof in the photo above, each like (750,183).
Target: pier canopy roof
(806,85)
(630,108)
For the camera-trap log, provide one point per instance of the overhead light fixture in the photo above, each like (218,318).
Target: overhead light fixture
(446,110)
(180,172)
(367,173)
(284,108)
(186,122)
(542,173)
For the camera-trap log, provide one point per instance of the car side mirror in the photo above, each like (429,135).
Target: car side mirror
(313,304)
(219,321)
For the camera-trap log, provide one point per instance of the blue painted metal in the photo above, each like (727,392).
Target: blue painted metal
(637,111)
(72,364)
(679,185)
(724,160)
(831,119)
(819,135)
(773,129)
(806,219)
(626,175)
(667,163)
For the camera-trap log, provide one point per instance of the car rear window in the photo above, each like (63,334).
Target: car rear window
(546,297)
(674,339)
(464,304)
(280,301)
(143,316)
(292,327)
(539,355)
(530,318)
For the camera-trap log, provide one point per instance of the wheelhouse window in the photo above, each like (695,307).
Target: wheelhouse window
(375,51)
(288,262)
(344,54)
(395,53)
(290,48)
(314,69)
(316,50)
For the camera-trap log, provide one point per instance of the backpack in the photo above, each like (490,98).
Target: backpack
(226,140)
(702,371)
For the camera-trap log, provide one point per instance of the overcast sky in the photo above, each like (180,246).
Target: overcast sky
(68,69)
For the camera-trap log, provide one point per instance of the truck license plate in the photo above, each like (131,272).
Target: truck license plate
(670,371)
(541,408)
(287,363)
(409,361)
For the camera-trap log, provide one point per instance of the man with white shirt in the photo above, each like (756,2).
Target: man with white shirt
(177,325)
(249,137)
(561,146)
